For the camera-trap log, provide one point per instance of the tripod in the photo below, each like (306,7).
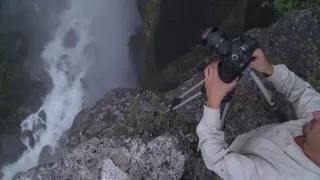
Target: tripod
(177,103)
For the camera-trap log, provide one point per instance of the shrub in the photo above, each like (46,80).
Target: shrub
(283,7)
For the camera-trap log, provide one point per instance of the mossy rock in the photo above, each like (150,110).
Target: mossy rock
(312,76)
(283,7)
(12,87)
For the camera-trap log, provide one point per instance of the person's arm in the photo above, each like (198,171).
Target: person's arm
(303,97)
(214,149)
(217,155)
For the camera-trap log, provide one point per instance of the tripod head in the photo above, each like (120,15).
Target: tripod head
(236,54)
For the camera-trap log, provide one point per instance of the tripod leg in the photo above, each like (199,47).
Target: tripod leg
(177,101)
(185,102)
(282,116)
(261,86)
(192,89)
(225,112)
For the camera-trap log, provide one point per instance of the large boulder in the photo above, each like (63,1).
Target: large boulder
(109,159)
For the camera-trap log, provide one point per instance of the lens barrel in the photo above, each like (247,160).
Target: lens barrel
(216,40)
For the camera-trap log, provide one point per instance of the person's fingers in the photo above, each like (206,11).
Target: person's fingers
(257,53)
(209,70)
(255,56)
(215,67)
(234,83)
(253,63)
(316,115)
(206,71)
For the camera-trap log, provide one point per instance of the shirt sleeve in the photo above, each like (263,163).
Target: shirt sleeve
(303,97)
(216,153)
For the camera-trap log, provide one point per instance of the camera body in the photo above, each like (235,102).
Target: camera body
(236,54)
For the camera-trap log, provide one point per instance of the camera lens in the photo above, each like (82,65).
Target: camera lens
(218,42)
(214,39)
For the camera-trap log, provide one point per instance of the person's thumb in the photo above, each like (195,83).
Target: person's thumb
(253,64)
(234,83)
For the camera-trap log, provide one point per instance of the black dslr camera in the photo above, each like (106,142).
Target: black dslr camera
(236,54)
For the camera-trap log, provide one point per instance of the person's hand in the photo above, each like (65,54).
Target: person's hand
(261,64)
(215,87)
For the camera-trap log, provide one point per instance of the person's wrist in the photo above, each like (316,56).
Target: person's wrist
(270,70)
(214,103)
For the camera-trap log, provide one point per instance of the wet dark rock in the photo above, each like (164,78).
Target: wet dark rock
(27,137)
(71,39)
(166,45)
(11,148)
(42,115)
(245,15)
(18,46)
(49,155)
(178,29)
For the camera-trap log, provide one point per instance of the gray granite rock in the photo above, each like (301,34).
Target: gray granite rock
(110,172)
(113,158)
(295,37)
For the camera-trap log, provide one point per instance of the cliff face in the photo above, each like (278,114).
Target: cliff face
(165,46)
(20,94)
(127,135)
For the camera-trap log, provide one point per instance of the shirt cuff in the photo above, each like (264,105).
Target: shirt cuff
(280,72)
(211,117)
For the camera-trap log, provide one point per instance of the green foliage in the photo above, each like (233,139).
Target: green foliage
(119,130)
(149,19)
(316,13)
(151,8)
(127,122)
(134,109)
(283,7)
(154,99)
(313,46)
(162,116)
(132,119)
(180,117)
(314,77)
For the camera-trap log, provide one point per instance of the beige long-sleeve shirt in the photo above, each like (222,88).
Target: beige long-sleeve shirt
(269,152)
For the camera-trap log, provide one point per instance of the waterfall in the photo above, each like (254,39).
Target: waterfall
(69,66)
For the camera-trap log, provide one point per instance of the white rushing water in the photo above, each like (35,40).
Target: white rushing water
(68,67)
